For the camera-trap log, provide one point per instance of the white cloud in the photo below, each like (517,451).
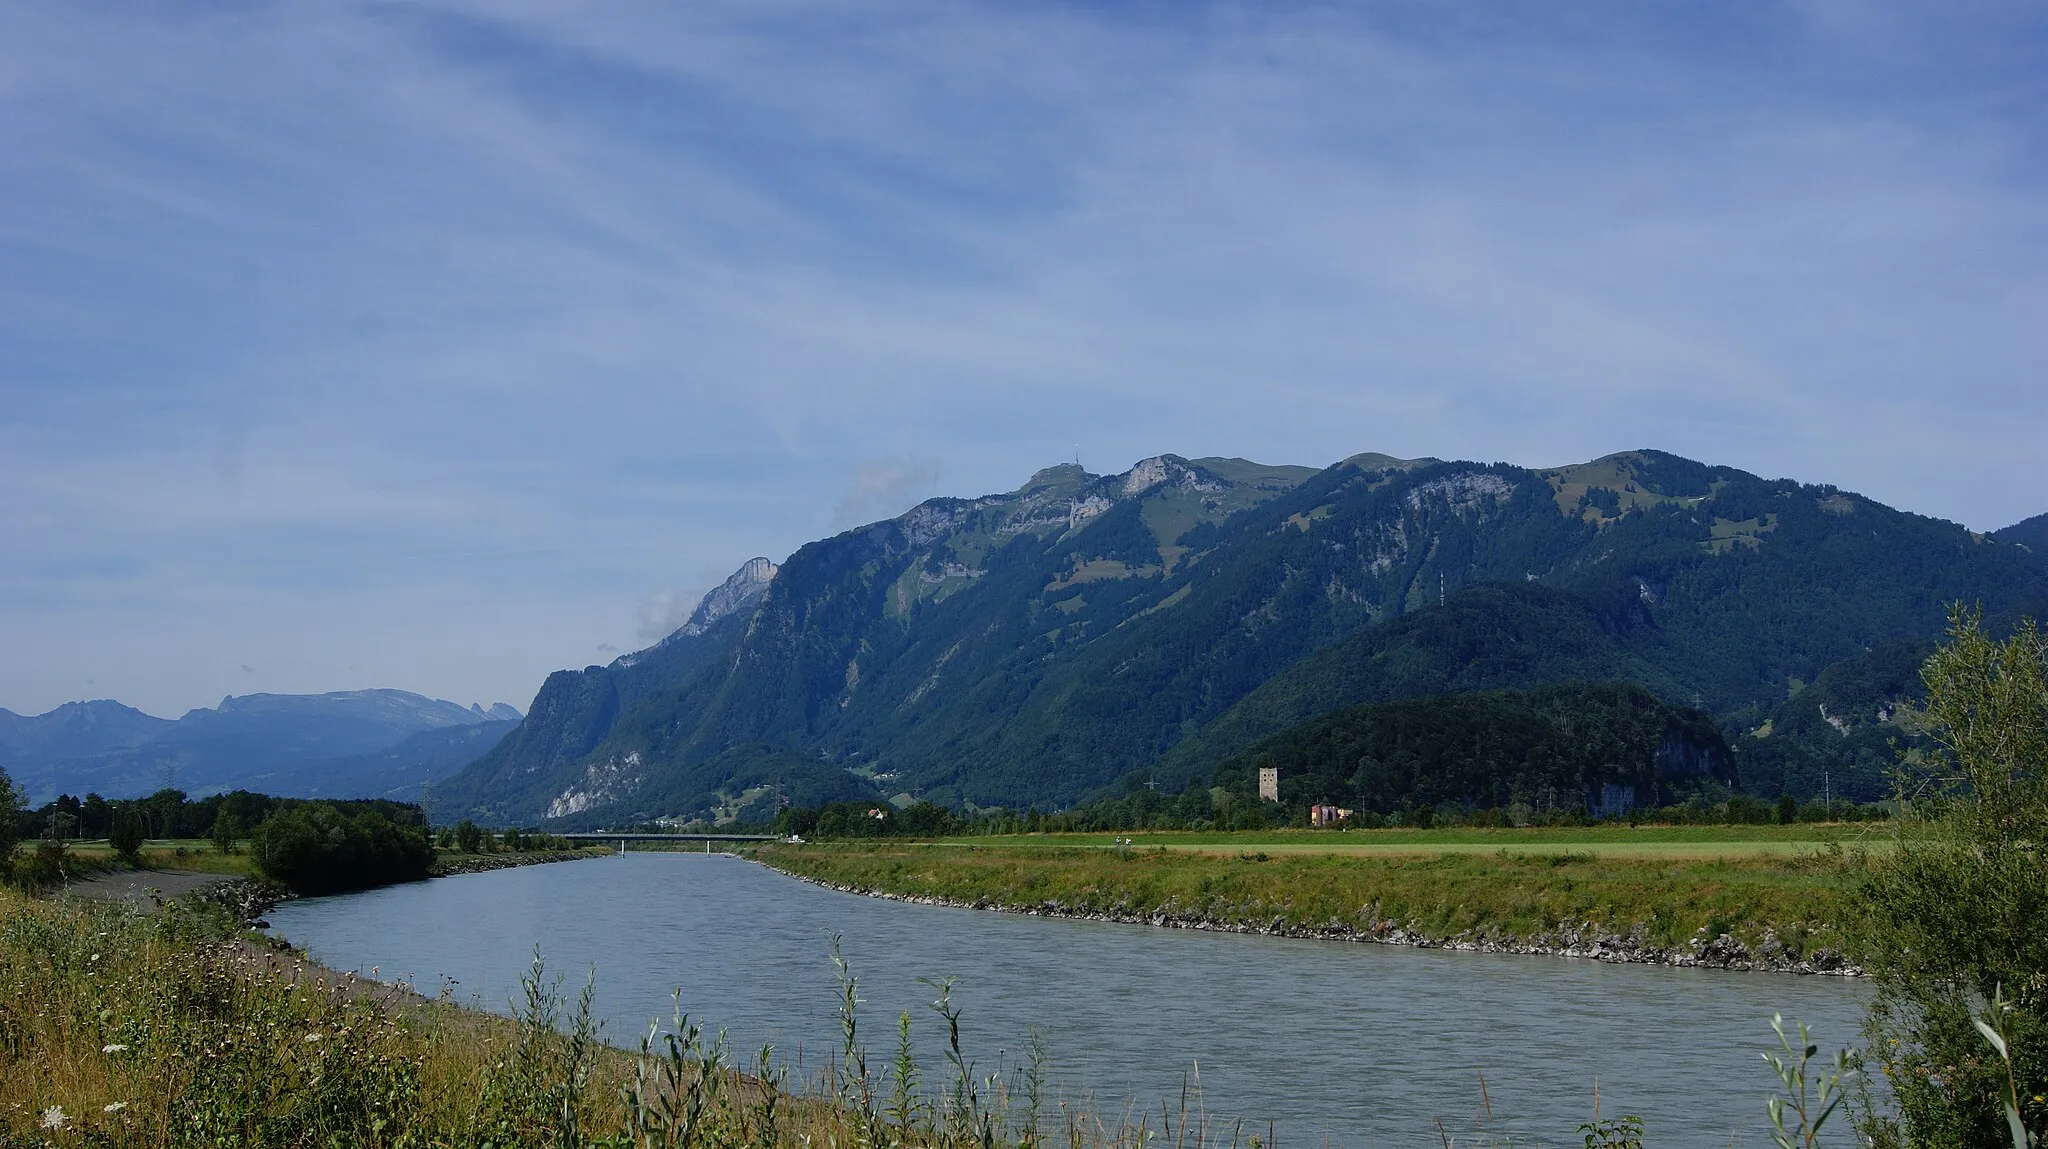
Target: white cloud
(662,612)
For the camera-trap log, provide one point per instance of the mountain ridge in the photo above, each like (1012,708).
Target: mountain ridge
(1038,645)
(251,740)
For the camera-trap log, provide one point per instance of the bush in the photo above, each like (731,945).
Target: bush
(125,836)
(325,847)
(47,866)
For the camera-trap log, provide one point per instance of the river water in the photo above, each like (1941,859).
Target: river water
(1355,1044)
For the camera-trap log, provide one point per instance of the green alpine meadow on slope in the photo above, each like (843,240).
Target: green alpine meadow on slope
(1045,646)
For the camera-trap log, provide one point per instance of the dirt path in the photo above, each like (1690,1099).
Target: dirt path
(134,886)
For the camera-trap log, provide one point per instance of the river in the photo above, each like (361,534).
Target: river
(1357,1044)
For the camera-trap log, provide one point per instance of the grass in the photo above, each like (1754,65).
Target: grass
(169,1029)
(1442,889)
(171,854)
(1655,842)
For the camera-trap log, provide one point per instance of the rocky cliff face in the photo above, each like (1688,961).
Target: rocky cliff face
(549,766)
(740,592)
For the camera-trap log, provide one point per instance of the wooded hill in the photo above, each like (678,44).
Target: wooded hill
(1550,748)
(1039,646)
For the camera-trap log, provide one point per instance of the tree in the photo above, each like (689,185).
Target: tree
(1952,916)
(227,830)
(125,835)
(469,838)
(323,847)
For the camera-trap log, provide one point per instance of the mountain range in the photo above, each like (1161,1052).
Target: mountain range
(1088,632)
(358,743)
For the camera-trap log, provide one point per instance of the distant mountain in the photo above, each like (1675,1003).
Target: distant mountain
(273,742)
(1041,646)
(73,730)
(403,773)
(2030,533)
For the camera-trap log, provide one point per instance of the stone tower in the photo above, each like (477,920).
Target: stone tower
(1269,783)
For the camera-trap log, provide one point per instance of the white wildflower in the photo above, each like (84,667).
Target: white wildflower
(53,1117)
(113,1048)
(94,957)
(312,1037)
(116,1107)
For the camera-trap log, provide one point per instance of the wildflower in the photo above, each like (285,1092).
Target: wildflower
(53,1117)
(116,1107)
(113,1048)
(312,1037)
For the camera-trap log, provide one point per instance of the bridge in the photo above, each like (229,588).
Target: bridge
(608,836)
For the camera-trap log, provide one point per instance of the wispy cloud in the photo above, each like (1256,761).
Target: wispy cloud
(461,324)
(884,489)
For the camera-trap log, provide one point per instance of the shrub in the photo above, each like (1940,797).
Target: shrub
(125,836)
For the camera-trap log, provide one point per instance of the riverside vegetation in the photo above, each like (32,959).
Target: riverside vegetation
(305,846)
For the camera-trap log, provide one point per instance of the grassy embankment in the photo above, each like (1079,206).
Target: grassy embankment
(119,1028)
(95,855)
(1667,884)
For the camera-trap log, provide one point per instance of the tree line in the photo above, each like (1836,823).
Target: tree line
(311,845)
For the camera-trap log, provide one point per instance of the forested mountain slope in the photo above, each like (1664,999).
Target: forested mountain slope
(530,773)
(1558,746)
(2031,533)
(1036,646)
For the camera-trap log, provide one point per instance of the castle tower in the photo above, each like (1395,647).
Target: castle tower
(1269,783)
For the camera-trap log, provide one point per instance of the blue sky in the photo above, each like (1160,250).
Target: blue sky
(441,345)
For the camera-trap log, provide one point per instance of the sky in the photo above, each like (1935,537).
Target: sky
(441,345)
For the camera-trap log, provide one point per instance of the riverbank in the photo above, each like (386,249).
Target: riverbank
(173,1027)
(1770,912)
(448,865)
